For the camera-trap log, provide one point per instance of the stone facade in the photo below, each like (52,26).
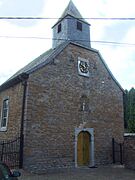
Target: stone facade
(53,110)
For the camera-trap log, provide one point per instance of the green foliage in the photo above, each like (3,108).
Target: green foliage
(131,126)
(126,114)
(129,110)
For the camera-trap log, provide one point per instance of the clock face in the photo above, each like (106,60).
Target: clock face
(83,67)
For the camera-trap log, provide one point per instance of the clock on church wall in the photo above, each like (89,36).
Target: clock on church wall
(83,67)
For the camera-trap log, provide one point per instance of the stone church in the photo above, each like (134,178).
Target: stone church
(66,104)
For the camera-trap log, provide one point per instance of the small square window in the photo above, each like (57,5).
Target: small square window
(59,28)
(79,25)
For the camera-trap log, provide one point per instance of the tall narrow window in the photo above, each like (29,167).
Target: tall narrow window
(59,28)
(4,115)
(79,25)
(84,103)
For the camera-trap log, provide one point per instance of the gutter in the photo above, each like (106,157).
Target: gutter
(24,84)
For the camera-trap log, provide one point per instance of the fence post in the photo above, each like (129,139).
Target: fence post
(21,152)
(113,150)
(2,150)
(121,154)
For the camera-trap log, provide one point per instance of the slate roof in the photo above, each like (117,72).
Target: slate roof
(72,11)
(37,63)
(41,61)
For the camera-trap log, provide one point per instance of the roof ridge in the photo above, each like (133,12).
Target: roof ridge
(40,61)
(30,63)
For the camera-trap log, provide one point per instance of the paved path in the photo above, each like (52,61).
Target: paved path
(100,173)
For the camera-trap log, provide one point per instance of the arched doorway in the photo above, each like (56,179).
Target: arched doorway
(83,148)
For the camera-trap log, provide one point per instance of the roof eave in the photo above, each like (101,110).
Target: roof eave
(20,78)
(79,19)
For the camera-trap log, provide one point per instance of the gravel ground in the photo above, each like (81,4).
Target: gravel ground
(100,173)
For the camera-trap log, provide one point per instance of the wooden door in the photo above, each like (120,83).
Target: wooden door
(83,148)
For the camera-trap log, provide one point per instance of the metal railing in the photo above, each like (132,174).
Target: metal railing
(117,152)
(10,152)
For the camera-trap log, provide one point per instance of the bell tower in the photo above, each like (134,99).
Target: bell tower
(71,26)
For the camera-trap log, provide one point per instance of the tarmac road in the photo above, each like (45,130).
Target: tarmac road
(101,173)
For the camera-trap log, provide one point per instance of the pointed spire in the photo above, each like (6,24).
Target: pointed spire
(72,11)
(71,26)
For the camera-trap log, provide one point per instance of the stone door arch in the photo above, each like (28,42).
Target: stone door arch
(84,147)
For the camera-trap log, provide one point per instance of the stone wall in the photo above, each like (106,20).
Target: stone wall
(15,95)
(54,111)
(129,151)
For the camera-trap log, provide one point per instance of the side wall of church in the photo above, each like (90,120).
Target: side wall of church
(15,97)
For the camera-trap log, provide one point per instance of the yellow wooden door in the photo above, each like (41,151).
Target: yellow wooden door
(83,149)
(86,149)
(80,149)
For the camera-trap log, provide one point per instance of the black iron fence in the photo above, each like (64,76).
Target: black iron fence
(117,152)
(10,152)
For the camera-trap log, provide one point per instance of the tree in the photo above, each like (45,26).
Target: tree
(126,113)
(129,110)
(131,126)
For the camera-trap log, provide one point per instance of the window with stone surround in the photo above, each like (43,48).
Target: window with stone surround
(4,114)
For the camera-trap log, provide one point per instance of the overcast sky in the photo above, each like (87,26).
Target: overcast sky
(17,52)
